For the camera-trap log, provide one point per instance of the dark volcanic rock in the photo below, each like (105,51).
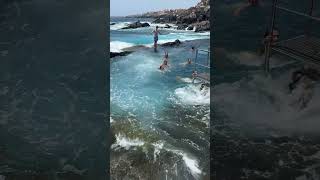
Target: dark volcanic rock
(114,54)
(198,15)
(167,26)
(171,44)
(182,26)
(189,28)
(202,26)
(112,23)
(137,24)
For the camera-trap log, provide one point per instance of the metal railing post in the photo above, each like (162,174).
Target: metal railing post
(268,45)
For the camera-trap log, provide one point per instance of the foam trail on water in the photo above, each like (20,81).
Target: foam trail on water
(119,26)
(118,46)
(192,95)
(124,142)
(270,103)
(192,164)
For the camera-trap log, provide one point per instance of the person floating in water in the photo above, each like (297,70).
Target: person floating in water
(156,33)
(193,50)
(166,58)
(194,74)
(189,60)
(165,61)
(250,3)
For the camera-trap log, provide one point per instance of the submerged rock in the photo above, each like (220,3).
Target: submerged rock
(190,28)
(167,26)
(124,53)
(171,44)
(182,26)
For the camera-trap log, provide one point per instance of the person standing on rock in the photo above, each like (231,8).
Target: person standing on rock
(156,33)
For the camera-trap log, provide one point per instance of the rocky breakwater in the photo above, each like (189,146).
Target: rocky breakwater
(137,24)
(195,18)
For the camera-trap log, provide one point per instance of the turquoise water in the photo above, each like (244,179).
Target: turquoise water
(165,104)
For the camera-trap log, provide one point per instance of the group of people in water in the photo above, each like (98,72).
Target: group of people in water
(165,62)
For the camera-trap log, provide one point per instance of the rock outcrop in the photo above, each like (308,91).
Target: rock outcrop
(197,16)
(172,44)
(137,24)
(114,54)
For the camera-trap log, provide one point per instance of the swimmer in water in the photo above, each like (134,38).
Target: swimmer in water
(194,74)
(189,61)
(250,3)
(166,58)
(161,67)
(165,61)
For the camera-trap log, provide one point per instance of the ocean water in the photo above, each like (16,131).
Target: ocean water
(160,119)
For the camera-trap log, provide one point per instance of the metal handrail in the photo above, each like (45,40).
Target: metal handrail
(298,13)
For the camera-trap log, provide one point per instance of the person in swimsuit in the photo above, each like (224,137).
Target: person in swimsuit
(194,74)
(189,61)
(250,3)
(165,61)
(166,58)
(155,38)
(161,67)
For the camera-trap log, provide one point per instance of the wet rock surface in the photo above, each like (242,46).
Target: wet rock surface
(115,54)
(172,44)
(137,24)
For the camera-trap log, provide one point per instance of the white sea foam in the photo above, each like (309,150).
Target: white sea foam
(186,80)
(124,142)
(192,164)
(119,26)
(118,46)
(111,120)
(173,26)
(266,101)
(157,148)
(192,95)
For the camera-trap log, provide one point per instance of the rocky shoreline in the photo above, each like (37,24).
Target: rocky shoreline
(127,51)
(196,18)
